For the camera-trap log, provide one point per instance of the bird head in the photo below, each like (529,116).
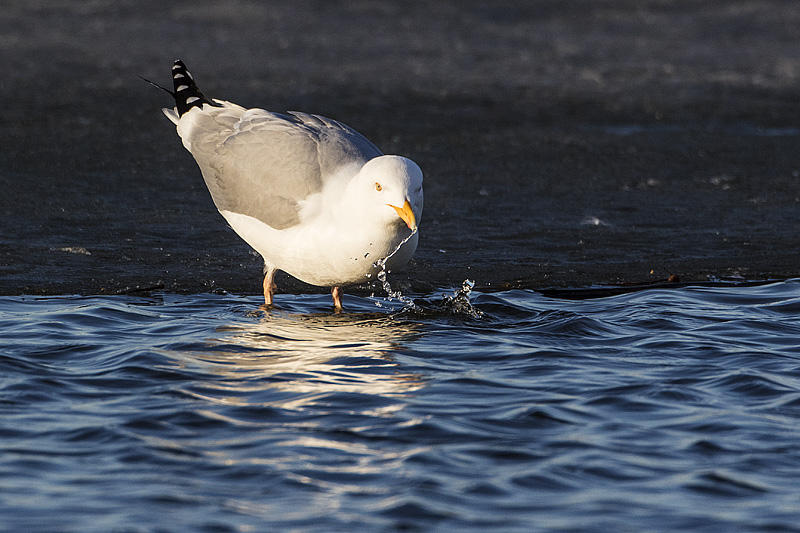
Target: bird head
(392,188)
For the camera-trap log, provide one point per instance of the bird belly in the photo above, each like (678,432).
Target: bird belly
(318,256)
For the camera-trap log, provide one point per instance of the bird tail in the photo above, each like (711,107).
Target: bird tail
(186,94)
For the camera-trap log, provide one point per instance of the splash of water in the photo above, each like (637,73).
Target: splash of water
(392,294)
(459,304)
(456,304)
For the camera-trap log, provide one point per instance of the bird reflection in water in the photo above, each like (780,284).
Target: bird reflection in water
(310,356)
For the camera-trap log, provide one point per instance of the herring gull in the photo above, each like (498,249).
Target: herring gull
(313,196)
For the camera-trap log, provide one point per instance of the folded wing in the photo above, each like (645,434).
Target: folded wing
(263,164)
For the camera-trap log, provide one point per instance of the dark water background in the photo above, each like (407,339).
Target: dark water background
(656,410)
(564,143)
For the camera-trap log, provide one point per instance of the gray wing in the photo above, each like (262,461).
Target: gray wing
(262,164)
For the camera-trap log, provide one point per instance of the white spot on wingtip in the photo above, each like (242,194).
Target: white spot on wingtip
(182,87)
(178,75)
(175,66)
(192,99)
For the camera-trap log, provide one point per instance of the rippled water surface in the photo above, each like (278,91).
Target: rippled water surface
(656,410)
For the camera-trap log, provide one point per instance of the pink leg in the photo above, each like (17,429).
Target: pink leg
(269,286)
(336,292)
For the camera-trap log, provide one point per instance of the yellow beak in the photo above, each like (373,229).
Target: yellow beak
(406,214)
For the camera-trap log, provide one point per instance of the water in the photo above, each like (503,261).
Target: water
(509,411)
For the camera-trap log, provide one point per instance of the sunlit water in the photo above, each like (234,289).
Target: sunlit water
(652,411)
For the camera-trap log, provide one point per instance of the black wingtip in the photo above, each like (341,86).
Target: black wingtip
(186,94)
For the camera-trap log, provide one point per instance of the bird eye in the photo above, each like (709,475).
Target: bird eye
(378,186)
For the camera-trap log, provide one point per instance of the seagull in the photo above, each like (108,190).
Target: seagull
(313,196)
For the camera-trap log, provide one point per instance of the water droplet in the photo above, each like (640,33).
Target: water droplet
(390,293)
